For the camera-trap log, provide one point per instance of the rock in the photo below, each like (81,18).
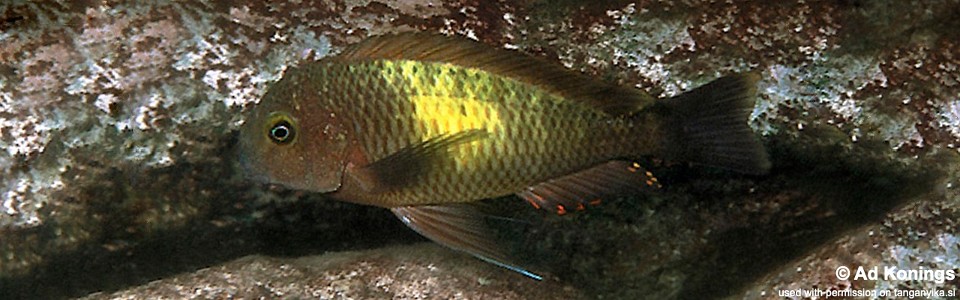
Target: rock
(118,119)
(422,271)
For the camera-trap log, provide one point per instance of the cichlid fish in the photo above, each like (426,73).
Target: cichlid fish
(425,124)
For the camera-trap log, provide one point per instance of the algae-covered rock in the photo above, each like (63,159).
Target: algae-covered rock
(118,121)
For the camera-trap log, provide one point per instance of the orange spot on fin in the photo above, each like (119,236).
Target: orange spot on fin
(535,203)
(561,210)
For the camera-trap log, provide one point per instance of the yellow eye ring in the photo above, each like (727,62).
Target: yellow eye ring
(281,130)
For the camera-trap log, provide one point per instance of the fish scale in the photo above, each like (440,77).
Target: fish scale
(528,127)
(426,124)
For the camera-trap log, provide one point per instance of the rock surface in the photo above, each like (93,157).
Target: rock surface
(117,121)
(423,271)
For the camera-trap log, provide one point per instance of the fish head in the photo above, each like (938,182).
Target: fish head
(292,140)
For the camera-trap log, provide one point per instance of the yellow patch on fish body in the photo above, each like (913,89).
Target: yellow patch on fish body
(443,105)
(439,115)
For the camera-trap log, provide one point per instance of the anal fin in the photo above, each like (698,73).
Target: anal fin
(587,187)
(461,227)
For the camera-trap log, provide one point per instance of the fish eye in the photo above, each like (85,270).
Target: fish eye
(281,132)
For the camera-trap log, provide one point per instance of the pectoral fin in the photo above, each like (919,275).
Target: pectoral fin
(588,187)
(458,226)
(410,163)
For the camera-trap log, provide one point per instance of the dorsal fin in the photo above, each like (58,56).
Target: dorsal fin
(612,99)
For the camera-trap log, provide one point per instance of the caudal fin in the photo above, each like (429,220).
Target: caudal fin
(709,126)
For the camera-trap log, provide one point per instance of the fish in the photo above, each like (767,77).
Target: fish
(428,125)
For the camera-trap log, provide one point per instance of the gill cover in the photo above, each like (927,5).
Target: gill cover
(292,141)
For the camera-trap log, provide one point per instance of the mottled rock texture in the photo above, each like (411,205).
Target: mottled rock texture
(118,119)
(423,271)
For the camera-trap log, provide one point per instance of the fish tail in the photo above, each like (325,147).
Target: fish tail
(708,126)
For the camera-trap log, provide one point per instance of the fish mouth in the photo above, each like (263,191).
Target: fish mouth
(245,165)
(249,171)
